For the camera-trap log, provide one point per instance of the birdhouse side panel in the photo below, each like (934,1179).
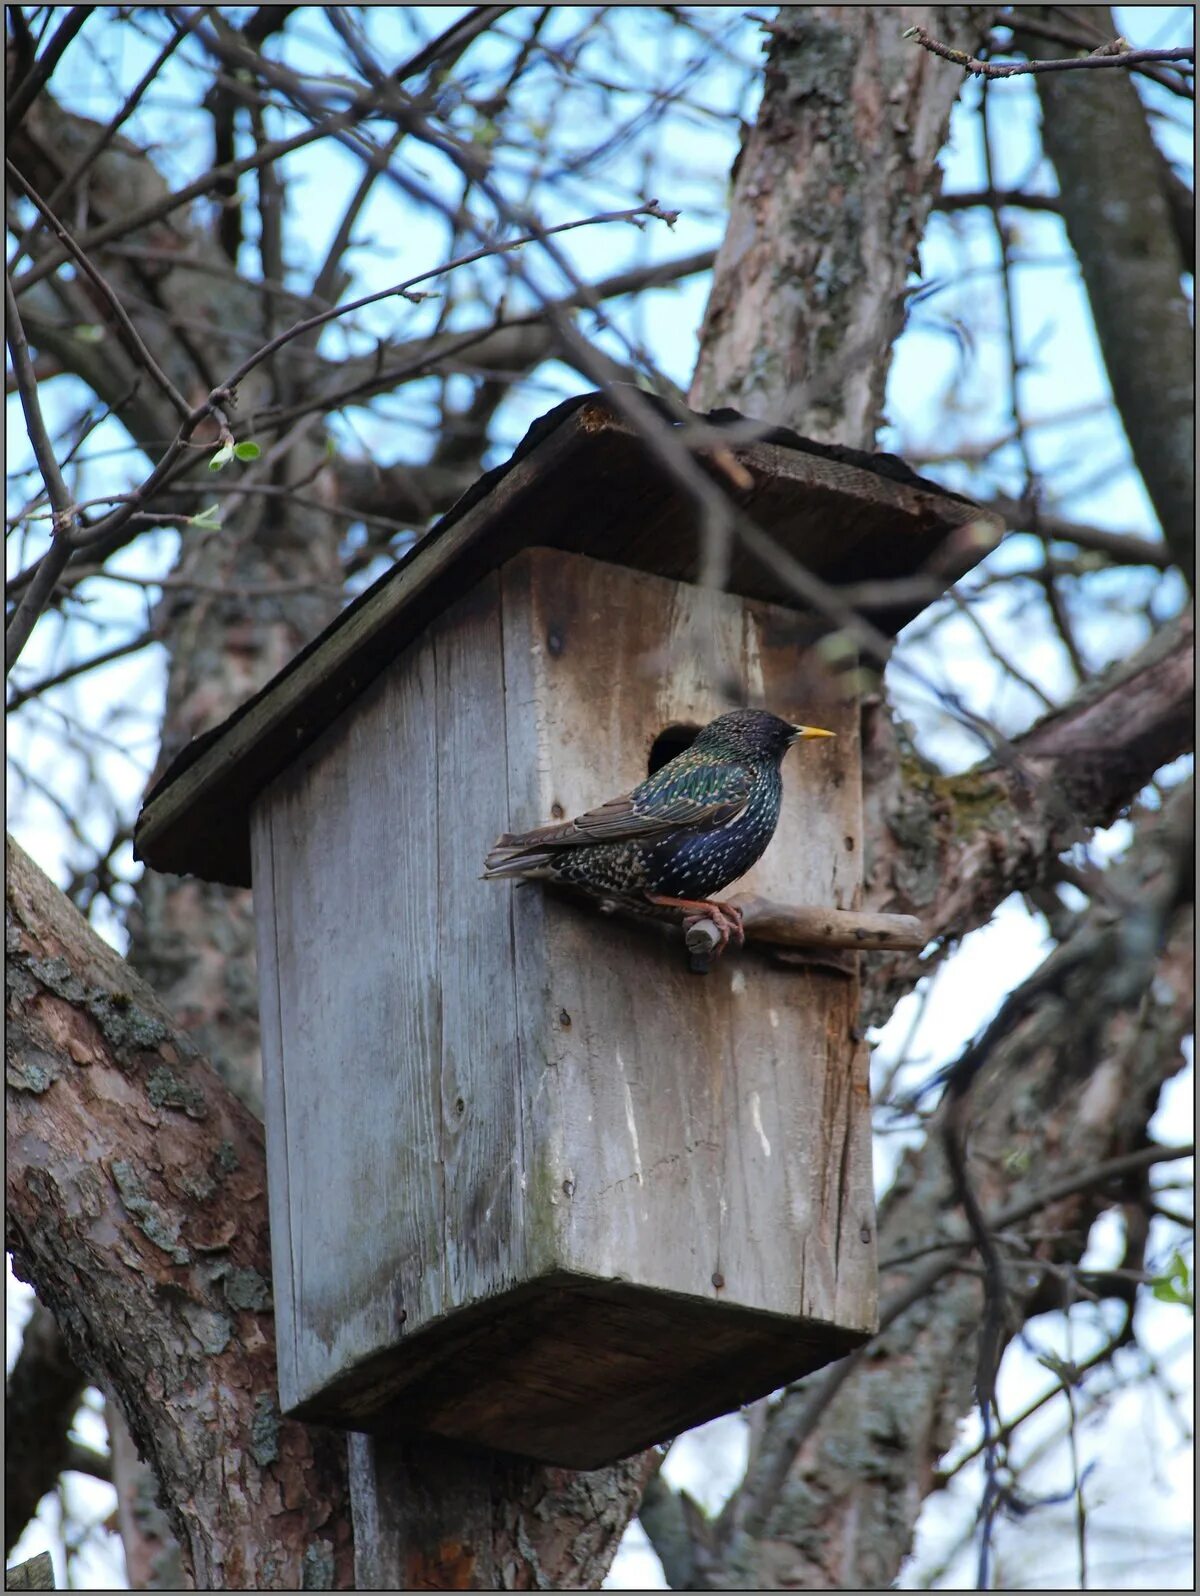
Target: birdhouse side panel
(702,1135)
(353,1095)
(391,1058)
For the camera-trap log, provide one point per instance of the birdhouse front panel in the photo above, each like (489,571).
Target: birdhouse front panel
(721,1136)
(534,1183)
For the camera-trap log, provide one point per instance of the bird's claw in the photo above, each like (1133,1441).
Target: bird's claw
(727,919)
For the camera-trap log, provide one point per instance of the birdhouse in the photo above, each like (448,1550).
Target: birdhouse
(534,1183)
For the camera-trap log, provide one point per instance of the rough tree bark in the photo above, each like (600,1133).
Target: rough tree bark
(832,191)
(135,1188)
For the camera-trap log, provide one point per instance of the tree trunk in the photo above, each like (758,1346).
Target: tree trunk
(832,191)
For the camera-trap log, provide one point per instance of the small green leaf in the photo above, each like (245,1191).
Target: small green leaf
(210,519)
(89,333)
(247,450)
(1175,1285)
(222,457)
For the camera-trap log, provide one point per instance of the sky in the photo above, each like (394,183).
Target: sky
(1141,1484)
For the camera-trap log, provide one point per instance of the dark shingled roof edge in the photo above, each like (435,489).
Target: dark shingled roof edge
(883,465)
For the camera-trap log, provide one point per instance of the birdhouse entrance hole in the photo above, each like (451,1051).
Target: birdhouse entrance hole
(670,741)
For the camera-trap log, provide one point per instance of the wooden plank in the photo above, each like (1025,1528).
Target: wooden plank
(627,1161)
(355,891)
(799,1030)
(679,1142)
(589,486)
(35,1574)
(480,1067)
(274,1102)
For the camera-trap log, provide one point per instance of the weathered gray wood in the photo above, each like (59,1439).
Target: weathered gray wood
(588,486)
(274,1100)
(36,1574)
(699,1133)
(482,1155)
(354,1097)
(543,1189)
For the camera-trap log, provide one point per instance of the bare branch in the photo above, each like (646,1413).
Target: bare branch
(37,594)
(1012,69)
(128,330)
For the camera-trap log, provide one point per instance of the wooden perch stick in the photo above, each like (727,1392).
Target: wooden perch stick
(796,926)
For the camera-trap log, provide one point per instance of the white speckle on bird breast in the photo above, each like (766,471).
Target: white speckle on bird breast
(756,1121)
(737,983)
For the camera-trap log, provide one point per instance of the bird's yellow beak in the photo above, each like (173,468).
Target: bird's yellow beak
(801,733)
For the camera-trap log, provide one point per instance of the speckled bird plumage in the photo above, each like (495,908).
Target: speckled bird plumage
(684,833)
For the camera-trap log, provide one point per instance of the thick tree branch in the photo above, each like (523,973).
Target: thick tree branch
(949,849)
(836,1481)
(1121,548)
(847,108)
(118,1129)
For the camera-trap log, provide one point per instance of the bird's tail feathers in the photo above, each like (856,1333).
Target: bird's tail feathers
(507,859)
(518,853)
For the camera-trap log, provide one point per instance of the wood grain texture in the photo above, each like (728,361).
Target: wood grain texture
(354,957)
(543,1189)
(483,1164)
(702,1123)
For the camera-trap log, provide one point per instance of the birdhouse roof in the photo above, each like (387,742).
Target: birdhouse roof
(583,480)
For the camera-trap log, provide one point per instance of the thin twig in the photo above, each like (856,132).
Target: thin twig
(38,592)
(22,695)
(1012,69)
(137,347)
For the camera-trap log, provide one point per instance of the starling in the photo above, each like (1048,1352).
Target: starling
(687,831)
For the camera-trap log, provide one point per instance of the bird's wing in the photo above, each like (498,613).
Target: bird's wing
(692,799)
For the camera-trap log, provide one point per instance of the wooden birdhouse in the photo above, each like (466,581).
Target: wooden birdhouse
(534,1183)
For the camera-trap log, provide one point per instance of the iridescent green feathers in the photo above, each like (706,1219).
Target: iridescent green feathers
(688,830)
(690,792)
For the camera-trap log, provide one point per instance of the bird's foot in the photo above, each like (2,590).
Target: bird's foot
(726,917)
